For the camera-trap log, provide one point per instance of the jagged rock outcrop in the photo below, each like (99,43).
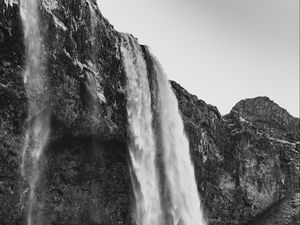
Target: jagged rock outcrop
(246,162)
(269,117)
(243,166)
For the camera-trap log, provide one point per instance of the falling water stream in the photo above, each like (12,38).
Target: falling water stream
(185,201)
(185,208)
(142,142)
(93,19)
(38,115)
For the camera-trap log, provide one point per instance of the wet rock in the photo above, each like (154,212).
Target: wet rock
(245,162)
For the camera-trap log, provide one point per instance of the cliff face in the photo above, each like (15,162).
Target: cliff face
(244,167)
(245,162)
(85,177)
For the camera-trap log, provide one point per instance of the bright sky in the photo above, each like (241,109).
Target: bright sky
(220,50)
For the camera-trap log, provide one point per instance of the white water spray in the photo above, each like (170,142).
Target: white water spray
(185,201)
(142,142)
(38,116)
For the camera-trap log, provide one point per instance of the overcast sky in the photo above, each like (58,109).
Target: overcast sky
(220,50)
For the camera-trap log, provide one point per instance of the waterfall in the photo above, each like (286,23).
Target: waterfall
(93,24)
(93,19)
(179,171)
(142,142)
(38,115)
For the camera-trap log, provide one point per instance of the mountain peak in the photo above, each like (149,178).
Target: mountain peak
(263,110)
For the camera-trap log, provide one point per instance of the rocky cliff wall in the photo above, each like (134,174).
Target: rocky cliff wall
(85,177)
(245,162)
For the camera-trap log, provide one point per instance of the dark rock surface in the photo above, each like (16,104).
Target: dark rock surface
(269,117)
(246,163)
(285,211)
(85,176)
(242,167)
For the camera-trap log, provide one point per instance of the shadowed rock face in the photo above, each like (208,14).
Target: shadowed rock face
(85,177)
(285,211)
(246,162)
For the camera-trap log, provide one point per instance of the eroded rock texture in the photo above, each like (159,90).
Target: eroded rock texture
(85,177)
(246,163)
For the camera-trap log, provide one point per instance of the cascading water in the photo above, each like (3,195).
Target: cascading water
(93,19)
(93,23)
(179,171)
(142,142)
(38,115)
